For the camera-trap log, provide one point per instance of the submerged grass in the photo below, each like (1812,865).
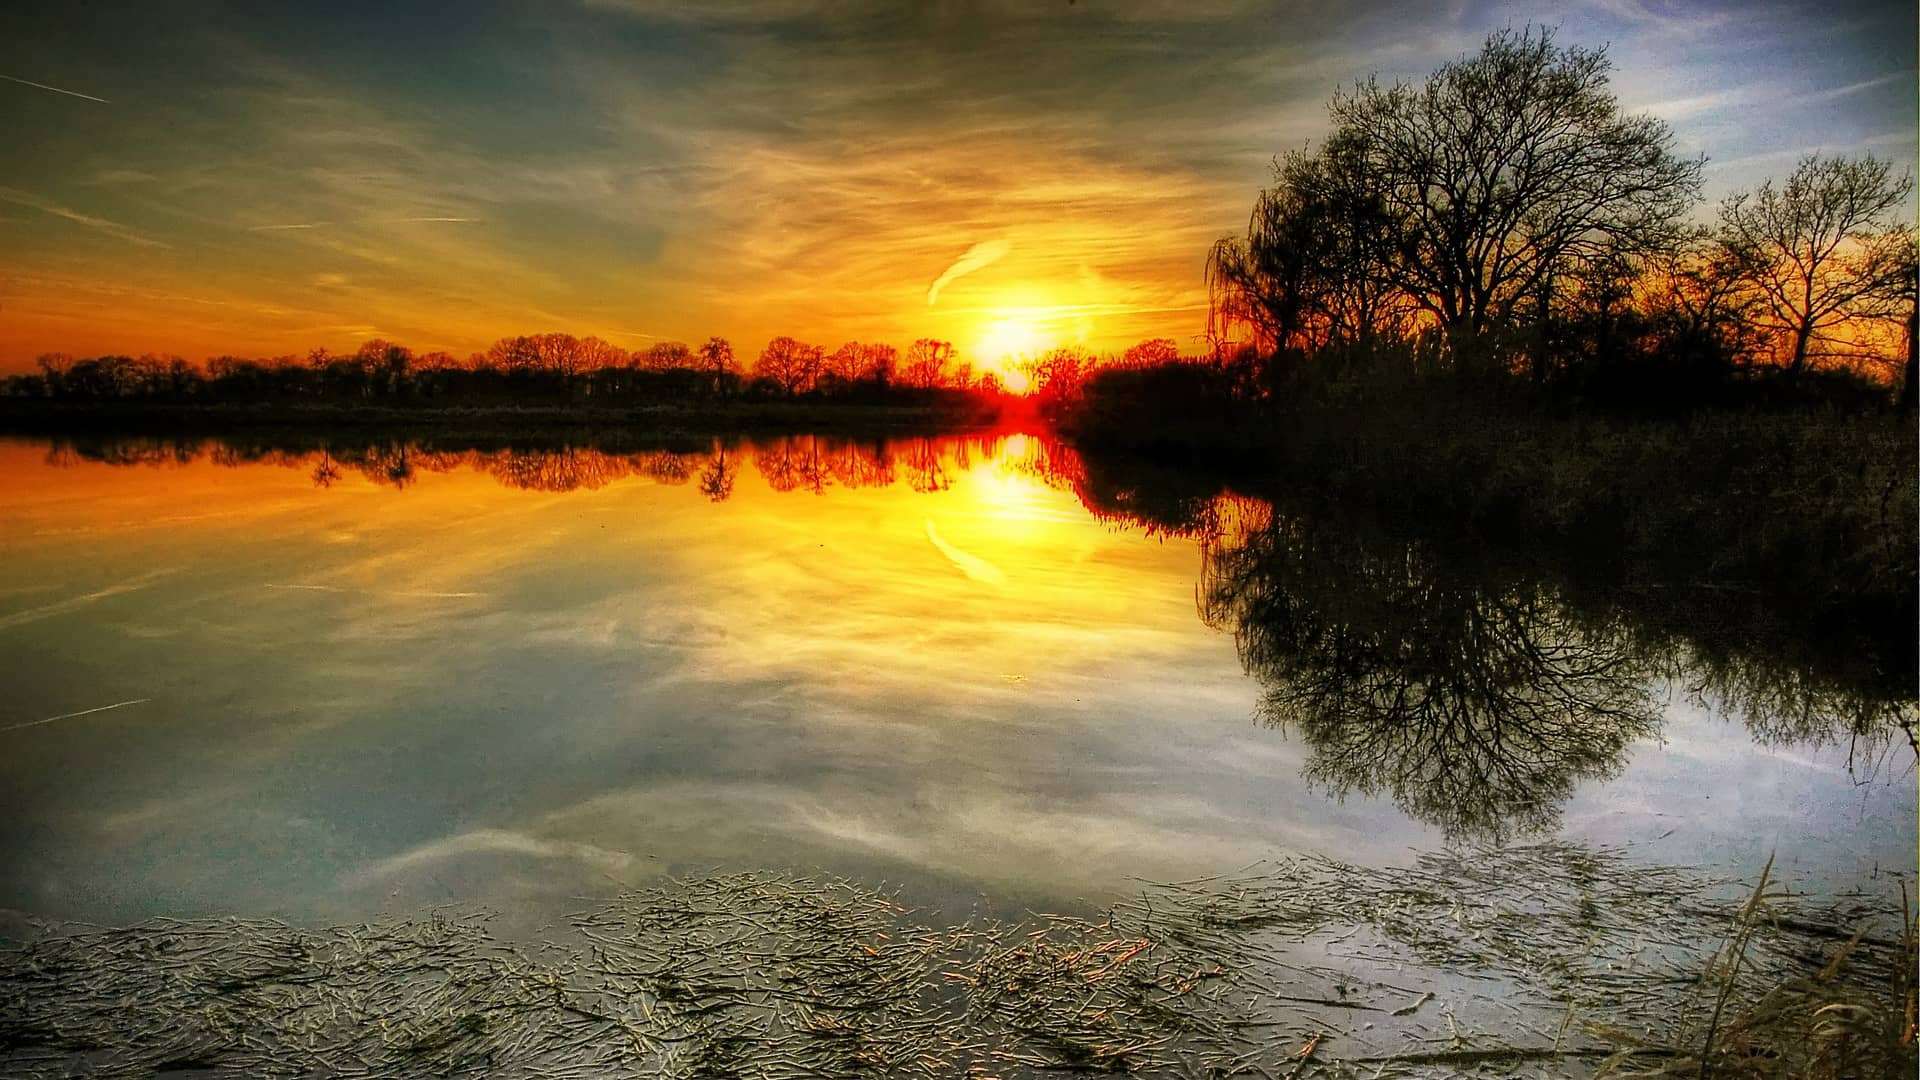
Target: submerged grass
(1541,960)
(1824,1024)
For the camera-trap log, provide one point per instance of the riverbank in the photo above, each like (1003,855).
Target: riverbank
(1816,504)
(493,420)
(1745,545)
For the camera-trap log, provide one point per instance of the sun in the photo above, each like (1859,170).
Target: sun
(1003,343)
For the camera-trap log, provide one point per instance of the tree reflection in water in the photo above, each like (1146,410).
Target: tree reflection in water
(1477,707)
(1475,690)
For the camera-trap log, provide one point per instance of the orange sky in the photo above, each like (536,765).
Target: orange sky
(262,179)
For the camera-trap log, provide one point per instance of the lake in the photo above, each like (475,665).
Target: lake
(325,681)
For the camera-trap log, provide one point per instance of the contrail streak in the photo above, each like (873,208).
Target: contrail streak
(55,89)
(982,254)
(276,228)
(430,594)
(71,715)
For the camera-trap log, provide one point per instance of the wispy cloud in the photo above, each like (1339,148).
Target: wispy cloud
(1677,109)
(55,89)
(831,169)
(113,229)
(977,257)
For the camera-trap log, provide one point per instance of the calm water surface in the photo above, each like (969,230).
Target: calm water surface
(363,681)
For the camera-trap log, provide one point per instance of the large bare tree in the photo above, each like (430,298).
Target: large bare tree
(794,365)
(1507,168)
(1821,250)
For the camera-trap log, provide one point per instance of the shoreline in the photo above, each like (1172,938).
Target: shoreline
(149,418)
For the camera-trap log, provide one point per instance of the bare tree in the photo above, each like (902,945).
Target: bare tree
(794,365)
(666,356)
(778,362)
(1820,250)
(848,364)
(1150,352)
(927,363)
(1505,168)
(514,355)
(717,363)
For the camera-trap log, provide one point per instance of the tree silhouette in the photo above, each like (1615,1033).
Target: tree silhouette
(664,356)
(793,365)
(1467,194)
(716,361)
(858,362)
(926,365)
(1317,265)
(1151,351)
(1820,250)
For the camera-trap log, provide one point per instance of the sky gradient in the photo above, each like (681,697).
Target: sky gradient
(257,179)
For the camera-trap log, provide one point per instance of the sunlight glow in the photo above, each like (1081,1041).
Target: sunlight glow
(1004,342)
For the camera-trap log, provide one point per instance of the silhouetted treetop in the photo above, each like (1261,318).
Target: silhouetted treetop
(1822,250)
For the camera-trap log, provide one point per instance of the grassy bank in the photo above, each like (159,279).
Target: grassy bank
(1814,505)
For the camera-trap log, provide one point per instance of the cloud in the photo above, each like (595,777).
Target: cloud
(977,257)
(760,167)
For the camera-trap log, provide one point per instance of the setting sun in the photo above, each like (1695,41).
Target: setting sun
(1004,342)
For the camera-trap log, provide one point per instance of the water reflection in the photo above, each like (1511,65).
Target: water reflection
(1477,705)
(1477,692)
(1480,692)
(787,462)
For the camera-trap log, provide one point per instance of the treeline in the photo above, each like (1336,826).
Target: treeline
(1505,228)
(527,369)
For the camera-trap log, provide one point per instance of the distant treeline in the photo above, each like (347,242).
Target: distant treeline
(531,369)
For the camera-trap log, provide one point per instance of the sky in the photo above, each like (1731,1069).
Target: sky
(208,178)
